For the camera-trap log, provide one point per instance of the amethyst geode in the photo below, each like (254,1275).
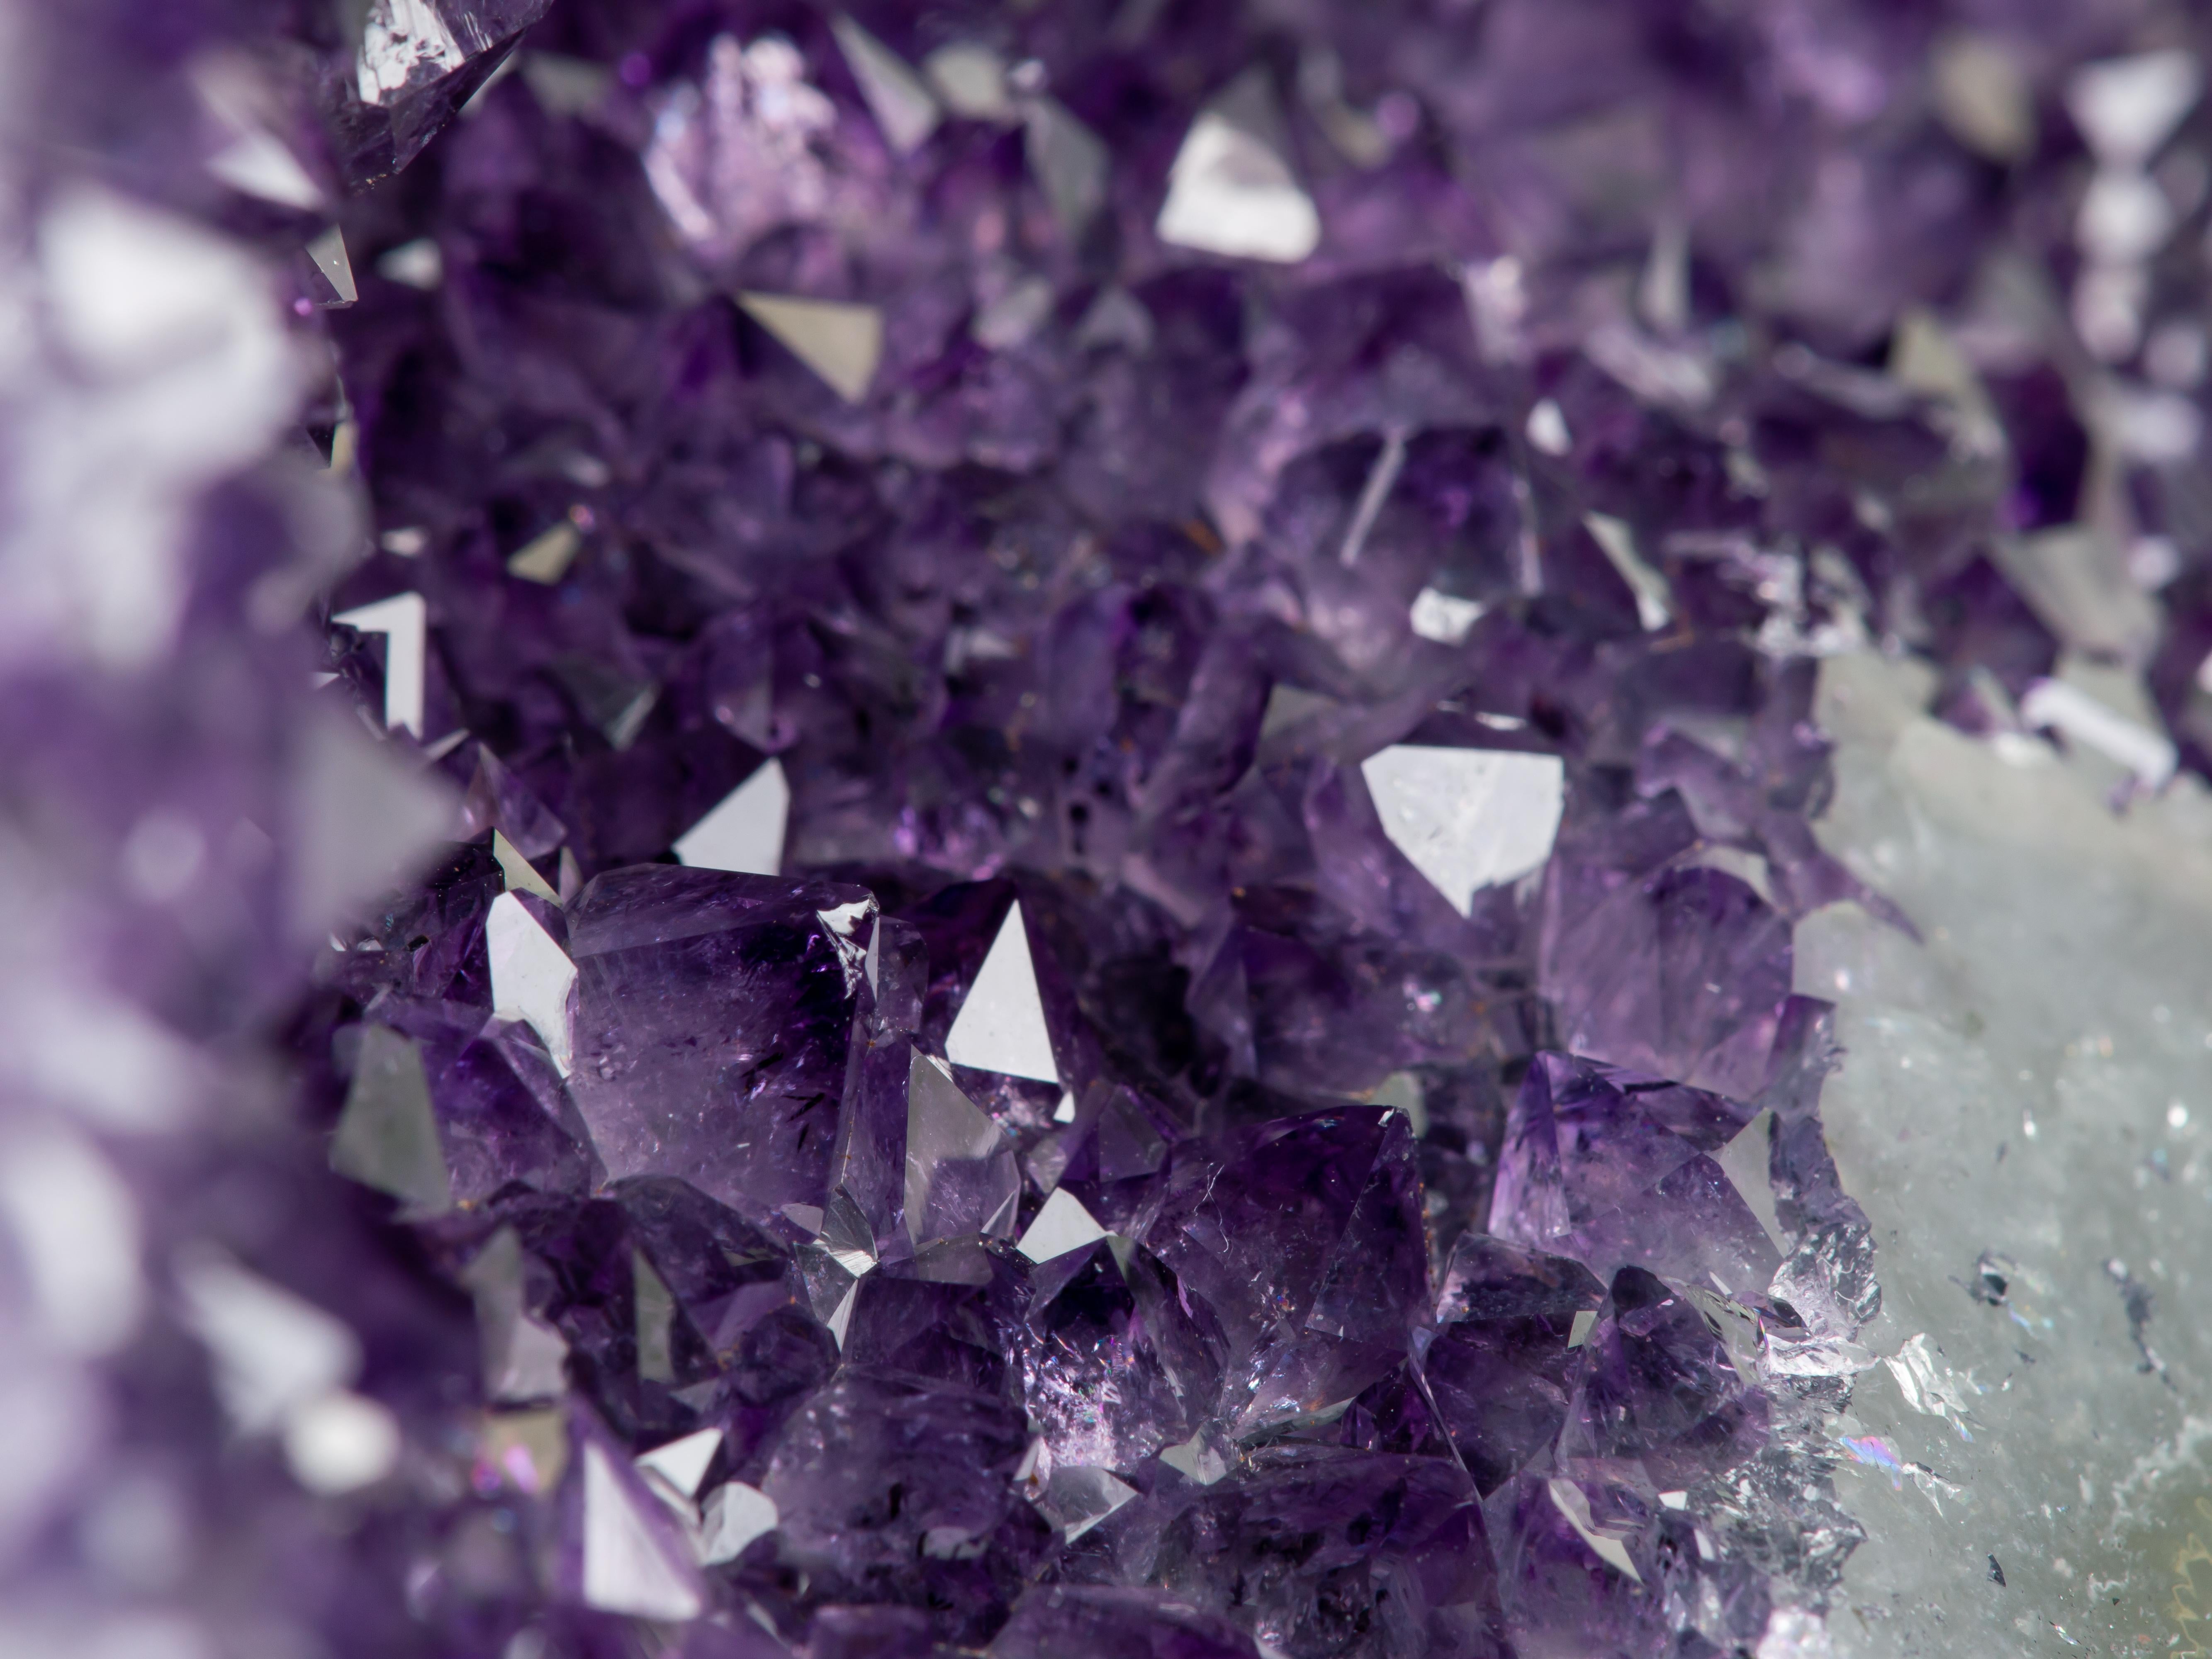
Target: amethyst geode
(1117,708)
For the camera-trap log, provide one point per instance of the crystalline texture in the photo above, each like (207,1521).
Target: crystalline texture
(664,955)
(960,1175)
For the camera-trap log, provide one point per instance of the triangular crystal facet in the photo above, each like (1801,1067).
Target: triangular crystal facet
(532,977)
(1468,818)
(387,1136)
(744,833)
(405,621)
(896,95)
(1231,192)
(1001,1026)
(841,342)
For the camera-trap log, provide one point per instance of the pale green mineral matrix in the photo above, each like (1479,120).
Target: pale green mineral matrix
(2022,1107)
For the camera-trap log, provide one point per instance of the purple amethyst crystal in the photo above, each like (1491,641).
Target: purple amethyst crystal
(979,828)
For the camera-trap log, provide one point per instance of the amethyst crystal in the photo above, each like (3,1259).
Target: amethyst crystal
(990,839)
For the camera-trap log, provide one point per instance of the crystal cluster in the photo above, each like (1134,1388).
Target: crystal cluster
(873,832)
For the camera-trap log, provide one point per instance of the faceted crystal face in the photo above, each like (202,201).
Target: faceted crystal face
(960,1175)
(666,957)
(1000,1026)
(744,833)
(1467,819)
(1115,1367)
(882,1475)
(1615,1170)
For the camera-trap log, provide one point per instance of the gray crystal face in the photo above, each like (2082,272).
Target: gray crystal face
(2020,1110)
(1001,1026)
(714,1016)
(388,1137)
(962,1177)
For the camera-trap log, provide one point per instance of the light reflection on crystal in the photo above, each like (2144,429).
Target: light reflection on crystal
(732,1517)
(628,1564)
(961,1175)
(1001,1024)
(1231,190)
(897,96)
(387,1136)
(532,978)
(683,1462)
(744,833)
(1063,1225)
(841,342)
(77,1233)
(275,1352)
(1076,1500)
(1467,819)
(404,620)
(340,1442)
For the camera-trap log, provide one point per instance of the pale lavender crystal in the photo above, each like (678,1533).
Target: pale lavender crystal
(1614,1169)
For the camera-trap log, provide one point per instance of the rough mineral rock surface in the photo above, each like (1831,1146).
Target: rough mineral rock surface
(1015,829)
(2023,1115)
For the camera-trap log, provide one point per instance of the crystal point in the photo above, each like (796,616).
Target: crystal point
(961,1174)
(1001,1024)
(1231,190)
(387,1136)
(1062,1226)
(744,833)
(404,620)
(532,978)
(1467,819)
(898,97)
(629,1563)
(841,342)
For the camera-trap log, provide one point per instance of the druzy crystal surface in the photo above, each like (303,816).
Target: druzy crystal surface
(1154,829)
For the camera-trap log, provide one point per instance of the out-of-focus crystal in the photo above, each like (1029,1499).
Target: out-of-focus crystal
(841,342)
(1231,190)
(898,97)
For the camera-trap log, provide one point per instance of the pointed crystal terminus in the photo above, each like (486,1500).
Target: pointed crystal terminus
(1001,1024)
(898,97)
(962,1177)
(1468,818)
(840,342)
(532,979)
(1231,190)
(405,621)
(633,1561)
(387,1136)
(744,833)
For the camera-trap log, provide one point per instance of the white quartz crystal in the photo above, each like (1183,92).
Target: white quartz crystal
(2022,1101)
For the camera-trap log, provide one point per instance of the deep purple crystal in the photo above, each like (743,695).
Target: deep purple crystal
(745,387)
